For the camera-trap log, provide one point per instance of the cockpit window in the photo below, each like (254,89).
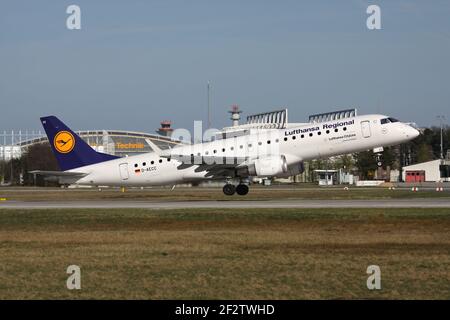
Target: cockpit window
(388,120)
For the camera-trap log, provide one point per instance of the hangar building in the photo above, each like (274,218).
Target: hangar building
(432,171)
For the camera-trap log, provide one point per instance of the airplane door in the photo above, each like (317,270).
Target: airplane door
(365,129)
(123,168)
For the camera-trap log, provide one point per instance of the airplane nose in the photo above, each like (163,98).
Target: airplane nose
(411,132)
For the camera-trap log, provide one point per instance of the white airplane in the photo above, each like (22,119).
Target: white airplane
(259,153)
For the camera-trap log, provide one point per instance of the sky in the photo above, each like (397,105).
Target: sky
(135,63)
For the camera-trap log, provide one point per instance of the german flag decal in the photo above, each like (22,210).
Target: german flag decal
(137,171)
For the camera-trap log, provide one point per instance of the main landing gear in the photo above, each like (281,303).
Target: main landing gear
(240,189)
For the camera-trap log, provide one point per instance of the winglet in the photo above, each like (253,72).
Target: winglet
(154,147)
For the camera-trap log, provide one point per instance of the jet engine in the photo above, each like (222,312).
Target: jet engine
(293,170)
(268,166)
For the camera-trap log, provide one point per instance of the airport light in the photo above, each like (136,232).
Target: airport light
(441,120)
(208,89)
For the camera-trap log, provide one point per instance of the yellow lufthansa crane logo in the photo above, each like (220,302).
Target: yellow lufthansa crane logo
(64,142)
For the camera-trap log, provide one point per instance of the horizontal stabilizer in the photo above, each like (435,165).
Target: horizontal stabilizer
(59,173)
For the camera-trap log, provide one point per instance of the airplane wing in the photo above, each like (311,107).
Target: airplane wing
(213,170)
(215,166)
(219,167)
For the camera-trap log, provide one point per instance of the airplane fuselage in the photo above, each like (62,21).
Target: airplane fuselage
(306,142)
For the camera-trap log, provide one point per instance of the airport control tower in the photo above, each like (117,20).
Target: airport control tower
(235,115)
(166,129)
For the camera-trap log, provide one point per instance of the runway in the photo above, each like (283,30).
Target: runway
(286,203)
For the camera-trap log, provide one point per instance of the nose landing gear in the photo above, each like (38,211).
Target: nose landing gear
(378,156)
(379,159)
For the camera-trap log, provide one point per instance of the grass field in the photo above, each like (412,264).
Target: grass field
(183,194)
(225,254)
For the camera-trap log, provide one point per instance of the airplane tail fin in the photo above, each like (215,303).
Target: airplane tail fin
(70,150)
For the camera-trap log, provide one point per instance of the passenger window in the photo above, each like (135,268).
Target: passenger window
(135,165)
(311,134)
(285,139)
(293,137)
